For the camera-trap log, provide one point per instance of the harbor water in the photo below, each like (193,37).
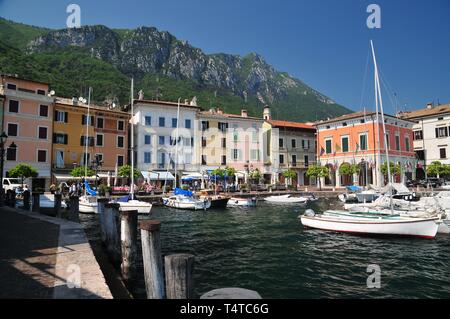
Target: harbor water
(267,249)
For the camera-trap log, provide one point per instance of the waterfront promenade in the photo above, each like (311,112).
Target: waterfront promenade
(40,255)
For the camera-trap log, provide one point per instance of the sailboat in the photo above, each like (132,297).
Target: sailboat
(87,202)
(129,202)
(183,199)
(374,222)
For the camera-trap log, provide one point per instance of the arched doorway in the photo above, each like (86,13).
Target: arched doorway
(306,179)
(420,173)
(330,180)
(365,174)
(346,179)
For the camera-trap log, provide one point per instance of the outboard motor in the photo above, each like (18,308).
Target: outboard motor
(310,213)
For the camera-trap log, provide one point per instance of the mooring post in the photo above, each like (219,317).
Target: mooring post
(26,200)
(112,232)
(128,238)
(179,270)
(151,255)
(36,202)
(74,208)
(12,201)
(57,205)
(101,202)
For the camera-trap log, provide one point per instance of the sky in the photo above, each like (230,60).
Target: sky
(324,43)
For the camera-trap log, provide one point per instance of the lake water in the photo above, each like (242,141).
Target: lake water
(267,249)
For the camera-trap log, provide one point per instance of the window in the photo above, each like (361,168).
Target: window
(344,124)
(43,110)
(84,120)
(388,142)
(306,161)
(120,125)
(41,92)
(281,143)
(293,143)
(11,86)
(99,139)
(224,142)
(120,141)
(59,138)
(281,159)
(441,131)
(147,140)
(83,141)
(236,154)
(99,157)
(305,144)
(418,135)
(443,153)
(148,121)
(174,122)
(13,129)
(223,127)
(99,122)
(328,148)
(205,125)
(224,160)
(61,116)
(11,154)
(254,155)
(42,133)
(13,106)
(42,156)
(397,142)
(344,141)
(294,160)
(235,136)
(203,141)
(162,140)
(203,159)
(407,143)
(162,122)
(120,160)
(440,118)
(187,124)
(147,157)
(363,142)
(362,121)
(161,160)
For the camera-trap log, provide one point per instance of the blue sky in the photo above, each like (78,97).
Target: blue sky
(325,43)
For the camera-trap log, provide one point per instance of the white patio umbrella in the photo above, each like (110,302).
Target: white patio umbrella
(108,181)
(115,175)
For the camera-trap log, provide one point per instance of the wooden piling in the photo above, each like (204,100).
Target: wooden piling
(57,205)
(12,198)
(112,232)
(151,255)
(101,216)
(128,238)
(26,200)
(74,208)
(36,202)
(179,276)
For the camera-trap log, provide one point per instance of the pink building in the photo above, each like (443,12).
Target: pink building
(27,120)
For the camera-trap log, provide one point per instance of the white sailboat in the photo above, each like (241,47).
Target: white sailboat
(286,199)
(130,203)
(374,222)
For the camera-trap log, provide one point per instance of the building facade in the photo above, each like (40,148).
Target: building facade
(357,139)
(27,120)
(431,135)
(106,136)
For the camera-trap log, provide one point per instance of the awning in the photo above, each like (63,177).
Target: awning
(192,176)
(154,176)
(67,177)
(105,175)
(240,174)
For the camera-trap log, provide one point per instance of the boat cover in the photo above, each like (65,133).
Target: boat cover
(179,191)
(354,188)
(89,190)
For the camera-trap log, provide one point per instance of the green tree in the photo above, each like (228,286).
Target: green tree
(290,175)
(23,171)
(80,171)
(220,172)
(255,175)
(348,169)
(318,171)
(125,171)
(230,171)
(438,169)
(395,168)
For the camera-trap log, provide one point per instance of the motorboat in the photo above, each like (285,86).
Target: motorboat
(242,202)
(184,199)
(217,201)
(88,204)
(127,204)
(286,199)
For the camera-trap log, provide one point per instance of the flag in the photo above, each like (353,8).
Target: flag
(322,151)
(357,148)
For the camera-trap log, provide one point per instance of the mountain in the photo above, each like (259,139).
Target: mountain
(163,67)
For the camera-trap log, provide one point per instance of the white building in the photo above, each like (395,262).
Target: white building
(431,135)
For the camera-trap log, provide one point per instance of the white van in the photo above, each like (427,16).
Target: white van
(11,183)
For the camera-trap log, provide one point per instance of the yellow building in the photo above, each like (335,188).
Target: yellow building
(107,133)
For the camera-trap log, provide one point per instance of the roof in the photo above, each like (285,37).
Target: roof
(167,103)
(228,116)
(439,109)
(10,76)
(68,102)
(354,115)
(291,124)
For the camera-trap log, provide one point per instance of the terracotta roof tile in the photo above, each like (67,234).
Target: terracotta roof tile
(426,112)
(291,124)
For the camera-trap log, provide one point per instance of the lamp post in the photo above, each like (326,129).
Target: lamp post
(3,138)
(96,164)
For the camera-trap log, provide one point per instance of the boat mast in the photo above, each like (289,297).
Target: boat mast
(132,139)
(378,96)
(86,140)
(176,143)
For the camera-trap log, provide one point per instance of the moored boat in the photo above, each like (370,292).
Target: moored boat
(286,199)
(186,202)
(243,202)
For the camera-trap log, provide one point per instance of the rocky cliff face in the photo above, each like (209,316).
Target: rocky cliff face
(146,50)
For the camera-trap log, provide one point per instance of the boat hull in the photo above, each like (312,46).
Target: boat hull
(425,228)
(242,202)
(197,205)
(219,202)
(141,207)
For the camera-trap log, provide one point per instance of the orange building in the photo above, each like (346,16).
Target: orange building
(107,133)
(357,139)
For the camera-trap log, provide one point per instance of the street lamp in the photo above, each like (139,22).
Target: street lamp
(96,164)
(3,138)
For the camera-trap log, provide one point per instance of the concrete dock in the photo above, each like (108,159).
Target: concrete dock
(47,258)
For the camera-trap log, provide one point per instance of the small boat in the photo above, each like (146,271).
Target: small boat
(127,204)
(372,223)
(186,202)
(217,201)
(88,204)
(286,199)
(242,202)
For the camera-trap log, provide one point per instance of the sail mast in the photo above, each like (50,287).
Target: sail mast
(86,140)
(176,145)
(132,138)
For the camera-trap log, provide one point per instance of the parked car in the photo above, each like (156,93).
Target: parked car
(11,183)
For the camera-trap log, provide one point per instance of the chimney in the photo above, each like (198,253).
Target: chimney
(266,113)
(186,101)
(74,101)
(219,110)
(430,105)
(244,113)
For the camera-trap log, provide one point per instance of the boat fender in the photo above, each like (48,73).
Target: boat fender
(310,213)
